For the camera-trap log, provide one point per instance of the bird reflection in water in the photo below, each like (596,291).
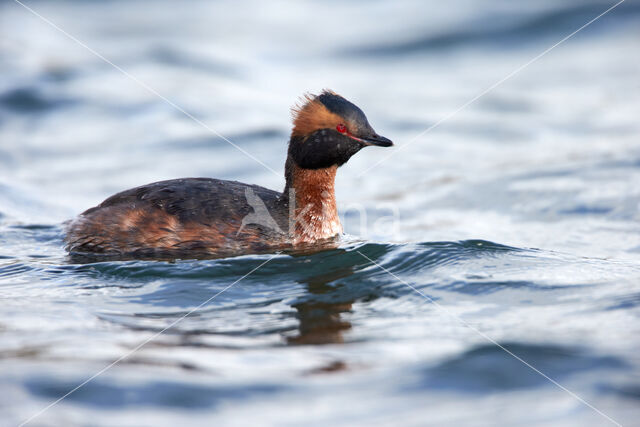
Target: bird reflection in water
(320,316)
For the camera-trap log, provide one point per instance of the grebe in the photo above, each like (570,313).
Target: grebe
(214,217)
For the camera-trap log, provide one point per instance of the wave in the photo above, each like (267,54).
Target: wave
(489,368)
(514,30)
(31,100)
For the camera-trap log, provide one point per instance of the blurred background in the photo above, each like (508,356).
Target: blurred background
(519,212)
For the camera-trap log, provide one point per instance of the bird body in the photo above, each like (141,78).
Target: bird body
(205,216)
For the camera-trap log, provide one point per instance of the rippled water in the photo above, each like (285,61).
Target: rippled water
(510,230)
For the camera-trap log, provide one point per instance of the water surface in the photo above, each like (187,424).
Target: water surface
(510,229)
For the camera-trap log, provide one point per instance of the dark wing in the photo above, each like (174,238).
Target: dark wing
(201,200)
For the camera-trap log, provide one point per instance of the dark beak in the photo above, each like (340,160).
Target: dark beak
(377,140)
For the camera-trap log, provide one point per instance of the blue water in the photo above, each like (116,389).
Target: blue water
(508,233)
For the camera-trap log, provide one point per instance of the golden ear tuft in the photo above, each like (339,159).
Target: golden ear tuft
(301,104)
(310,115)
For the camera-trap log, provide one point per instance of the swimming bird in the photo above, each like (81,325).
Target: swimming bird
(205,216)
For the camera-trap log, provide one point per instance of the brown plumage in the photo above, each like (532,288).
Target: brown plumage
(310,115)
(210,217)
(316,211)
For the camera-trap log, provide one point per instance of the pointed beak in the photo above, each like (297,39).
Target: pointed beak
(377,140)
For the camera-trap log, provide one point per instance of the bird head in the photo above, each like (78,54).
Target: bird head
(328,130)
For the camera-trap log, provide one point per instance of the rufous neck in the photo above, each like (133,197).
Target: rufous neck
(313,213)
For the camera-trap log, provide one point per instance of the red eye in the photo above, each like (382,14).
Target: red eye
(341,128)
